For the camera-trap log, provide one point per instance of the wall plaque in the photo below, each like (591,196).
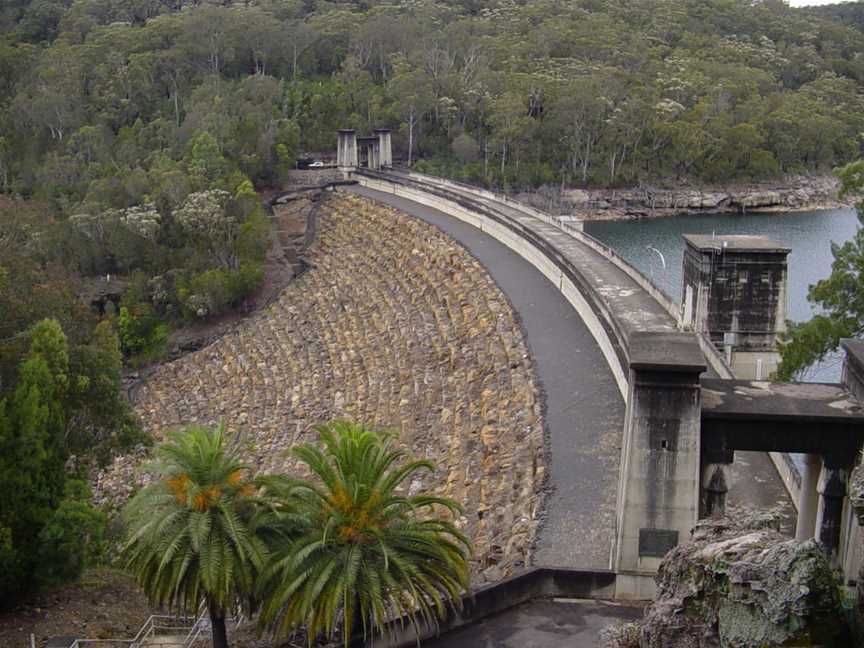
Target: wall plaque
(656,542)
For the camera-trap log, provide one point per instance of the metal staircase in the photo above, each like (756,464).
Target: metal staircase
(160,631)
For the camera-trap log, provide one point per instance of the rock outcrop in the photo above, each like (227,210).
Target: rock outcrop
(740,585)
(794,193)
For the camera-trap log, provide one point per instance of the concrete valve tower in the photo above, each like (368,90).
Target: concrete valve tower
(735,293)
(375,152)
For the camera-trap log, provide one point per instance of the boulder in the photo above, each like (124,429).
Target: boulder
(744,584)
(758,199)
(577,196)
(713,200)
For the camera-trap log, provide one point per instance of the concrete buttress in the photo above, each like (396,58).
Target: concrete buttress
(658,494)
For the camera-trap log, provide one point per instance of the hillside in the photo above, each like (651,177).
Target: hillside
(101,98)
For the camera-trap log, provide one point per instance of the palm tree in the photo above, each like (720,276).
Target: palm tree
(356,549)
(191,533)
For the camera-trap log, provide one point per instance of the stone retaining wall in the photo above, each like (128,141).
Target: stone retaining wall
(397,326)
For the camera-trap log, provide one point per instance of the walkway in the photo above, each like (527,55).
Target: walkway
(584,409)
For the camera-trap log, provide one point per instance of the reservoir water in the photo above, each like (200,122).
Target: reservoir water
(809,234)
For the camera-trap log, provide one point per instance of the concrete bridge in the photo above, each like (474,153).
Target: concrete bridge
(681,430)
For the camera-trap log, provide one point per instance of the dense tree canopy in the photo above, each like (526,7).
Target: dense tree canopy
(48,530)
(109,102)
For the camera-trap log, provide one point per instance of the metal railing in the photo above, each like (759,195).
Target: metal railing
(191,628)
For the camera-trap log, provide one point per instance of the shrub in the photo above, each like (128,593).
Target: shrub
(73,539)
(141,331)
(214,291)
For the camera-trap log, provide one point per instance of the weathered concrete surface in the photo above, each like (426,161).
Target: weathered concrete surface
(658,500)
(757,486)
(740,583)
(584,409)
(542,624)
(792,402)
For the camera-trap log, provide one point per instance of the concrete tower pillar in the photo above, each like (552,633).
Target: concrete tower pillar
(375,155)
(808,499)
(386,147)
(735,292)
(832,487)
(658,492)
(346,149)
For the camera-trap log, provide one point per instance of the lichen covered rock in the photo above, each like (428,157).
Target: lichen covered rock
(743,584)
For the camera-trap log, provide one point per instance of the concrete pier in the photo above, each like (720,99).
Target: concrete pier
(386,148)
(346,150)
(658,497)
(809,498)
(735,291)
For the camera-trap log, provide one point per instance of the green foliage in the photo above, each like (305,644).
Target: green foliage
(839,298)
(214,291)
(191,532)
(206,163)
(103,421)
(599,92)
(141,331)
(73,538)
(353,549)
(342,553)
(33,451)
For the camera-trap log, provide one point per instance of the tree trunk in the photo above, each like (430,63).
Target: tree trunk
(411,137)
(217,624)
(176,103)
(485,158)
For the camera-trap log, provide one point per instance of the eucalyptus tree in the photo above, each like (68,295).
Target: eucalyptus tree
(192,536)
(356,549)
(839,297)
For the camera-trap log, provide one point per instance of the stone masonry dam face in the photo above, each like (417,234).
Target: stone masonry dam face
(395,326)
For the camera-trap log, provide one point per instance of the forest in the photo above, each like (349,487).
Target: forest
(137,135)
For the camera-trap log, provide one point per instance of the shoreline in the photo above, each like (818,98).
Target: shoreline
(595,215)
(792,194)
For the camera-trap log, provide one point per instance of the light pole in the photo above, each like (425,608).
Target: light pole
(651,248)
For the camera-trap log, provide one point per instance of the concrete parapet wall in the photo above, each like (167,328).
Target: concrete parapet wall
(492,599)
(644,282)
(596,315)
(715,359)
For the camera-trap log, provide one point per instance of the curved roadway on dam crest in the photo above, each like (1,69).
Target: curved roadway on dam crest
(584,408)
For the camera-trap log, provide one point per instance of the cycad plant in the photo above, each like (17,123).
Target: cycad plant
(357,550)
(191,532)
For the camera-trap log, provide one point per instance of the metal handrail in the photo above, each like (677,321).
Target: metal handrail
(149,629)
